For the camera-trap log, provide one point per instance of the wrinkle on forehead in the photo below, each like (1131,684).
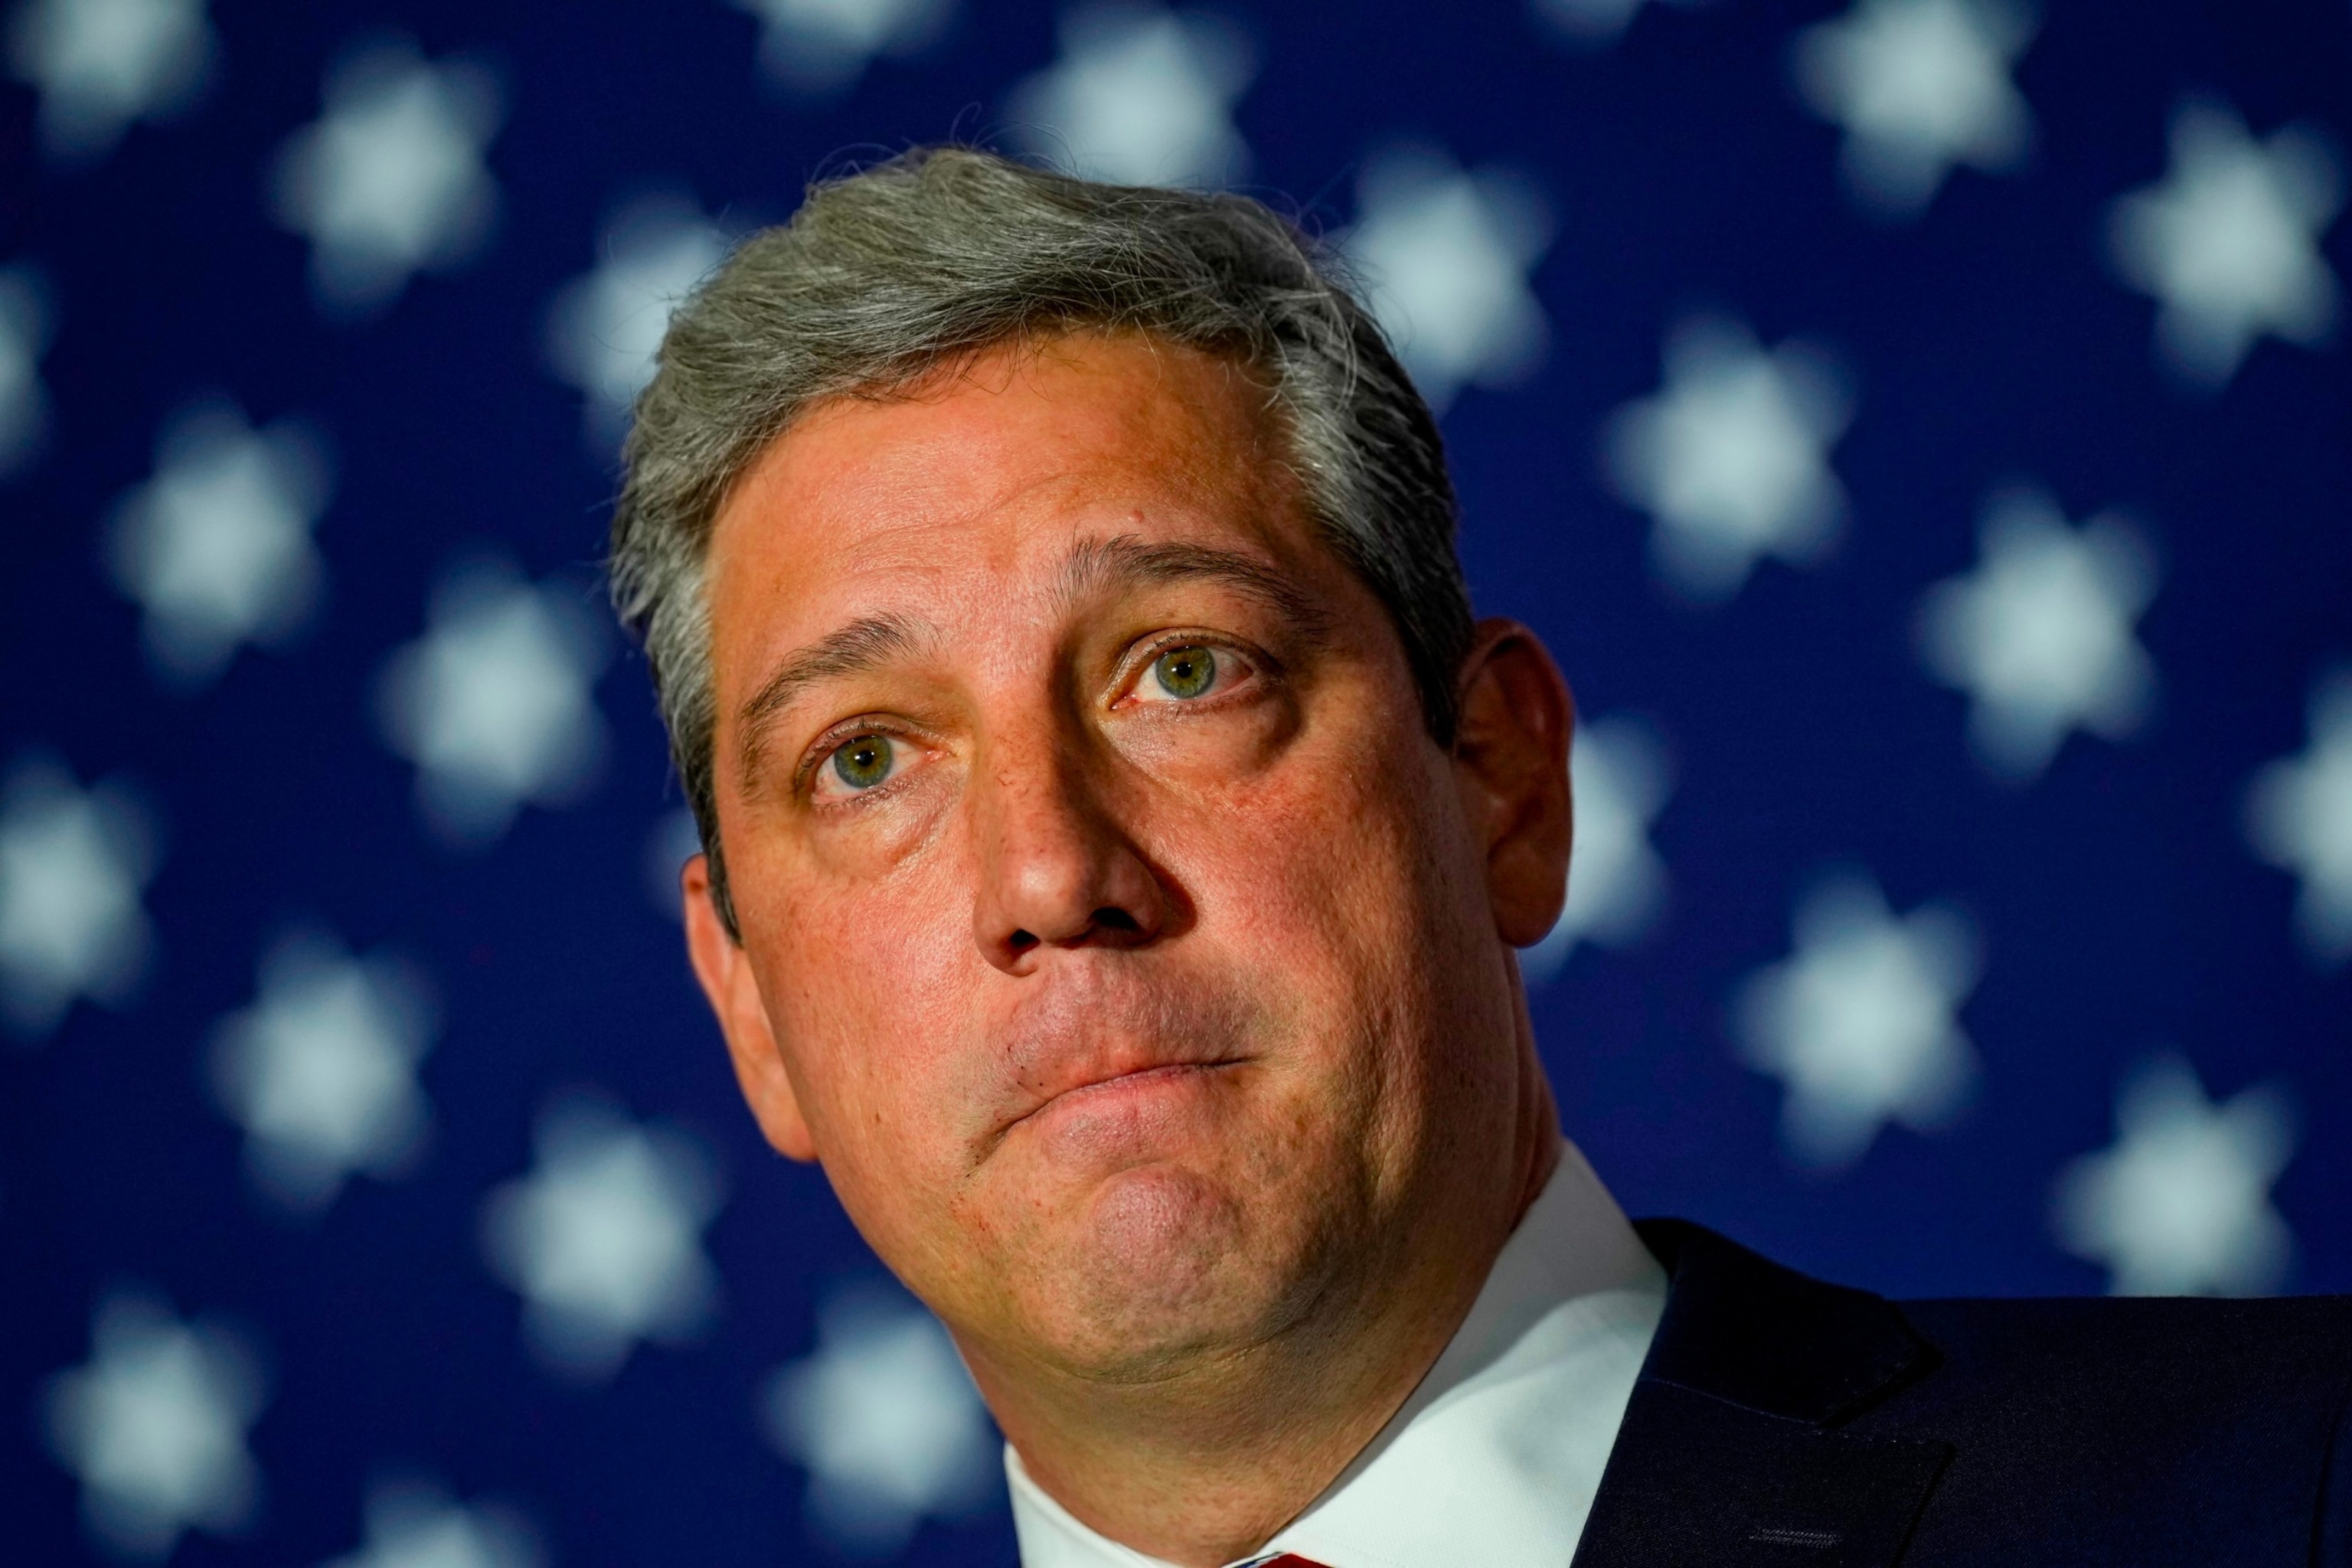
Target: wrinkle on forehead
(1097,566)
(1052,408)
(1006,456)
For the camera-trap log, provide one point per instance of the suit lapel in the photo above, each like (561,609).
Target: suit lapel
(1729,1453)
(1693,1480)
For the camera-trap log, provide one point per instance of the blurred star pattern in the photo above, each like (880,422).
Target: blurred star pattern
(493,702)
(1921,429)
(413,1523)
(603,1239)
(1619,777)
(2040,634)
(885,1421)
(72,862)
(2179,1205)
(1860,1021)
(98,65)
(154,1426)
(2228,241)
(320,1070)
(2299,818)
(816,49)
(1919,86)
(1731,458)
(390,179)
(1443,256)
(605,327)
(1141,95)
(24,337)
(216,546)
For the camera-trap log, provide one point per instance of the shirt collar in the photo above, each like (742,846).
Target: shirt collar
(1496,1455)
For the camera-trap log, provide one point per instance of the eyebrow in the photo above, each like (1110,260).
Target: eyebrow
(864,644)
(1093,567)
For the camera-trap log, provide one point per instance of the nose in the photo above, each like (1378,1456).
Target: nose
(1057,870)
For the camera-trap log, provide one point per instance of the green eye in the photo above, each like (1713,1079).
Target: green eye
(865,761)
(1185,672)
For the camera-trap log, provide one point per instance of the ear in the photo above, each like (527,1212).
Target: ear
(725,971)
(1510,758)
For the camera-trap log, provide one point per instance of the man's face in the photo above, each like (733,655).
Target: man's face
(1112,930)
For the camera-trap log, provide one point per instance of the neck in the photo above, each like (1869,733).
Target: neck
(1201,1468)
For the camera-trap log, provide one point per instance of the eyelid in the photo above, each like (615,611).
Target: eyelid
(835,736)
(1254,663)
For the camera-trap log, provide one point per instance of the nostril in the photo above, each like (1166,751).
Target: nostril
(1020,941)
(1111,918)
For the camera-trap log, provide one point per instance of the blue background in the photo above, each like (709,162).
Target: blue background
(2119,908)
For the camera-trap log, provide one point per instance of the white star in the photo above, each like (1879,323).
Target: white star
(216,546)
(390,179)
(2039,635)
(819,48)
(2299,817)
(1590,24)
(72,864)
(154,1425)
(321,1071)
(1142,96)
(1731,458)
(884,1420)
(1859,1021)
(1445,257)
(604,327)
(2228,242)
(604,1240)
(416,1524)
(2179,1205)
(24,325)
(99,65)
(1616,883)
(494,703)
(1919,86)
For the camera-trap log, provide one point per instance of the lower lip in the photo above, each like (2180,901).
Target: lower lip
(1117,1111)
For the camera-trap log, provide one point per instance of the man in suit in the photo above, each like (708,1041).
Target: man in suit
(1118,834)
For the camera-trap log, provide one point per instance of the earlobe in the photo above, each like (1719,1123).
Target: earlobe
(1510,756)
(725,971)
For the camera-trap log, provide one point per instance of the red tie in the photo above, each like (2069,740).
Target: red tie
(1289,1560)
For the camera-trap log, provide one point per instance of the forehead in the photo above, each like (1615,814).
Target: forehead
(992,470)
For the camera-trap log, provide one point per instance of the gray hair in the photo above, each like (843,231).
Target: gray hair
(885,275)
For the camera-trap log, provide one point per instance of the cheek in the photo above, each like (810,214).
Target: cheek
(860,846)
(1212,754)
(1346,830)
(1329,877)
(867,982)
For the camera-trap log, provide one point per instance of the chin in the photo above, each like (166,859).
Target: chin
(1165,1267)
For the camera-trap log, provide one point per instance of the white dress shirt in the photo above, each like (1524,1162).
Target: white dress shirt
(1495,1457)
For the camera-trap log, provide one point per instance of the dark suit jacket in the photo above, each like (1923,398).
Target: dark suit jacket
(1782,1421)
